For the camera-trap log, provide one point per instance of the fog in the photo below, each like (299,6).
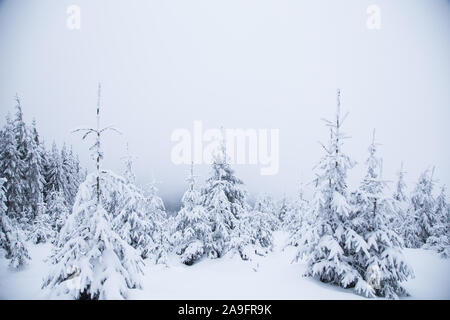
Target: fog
(238,64)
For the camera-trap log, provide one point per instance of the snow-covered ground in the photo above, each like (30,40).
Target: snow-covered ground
(231,278)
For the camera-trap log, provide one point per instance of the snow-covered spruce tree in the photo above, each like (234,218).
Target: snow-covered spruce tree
(12,169)
(57,210)
(34,174)
(255,233)
(376,249)
(127,205)
(21,134)
(70,173)
(58,188)
(160,234)
(283,209)
(298,222)
(192,234)
(41,229)
(62,173)
(325,243)
(265,204)
(439,239)
(400,189)
(54,175)
(128,172)
(91,260)
(400,203)
(294,216)
(420,216)
(225,201)
(11,238)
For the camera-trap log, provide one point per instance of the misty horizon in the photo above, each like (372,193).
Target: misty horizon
(161,70)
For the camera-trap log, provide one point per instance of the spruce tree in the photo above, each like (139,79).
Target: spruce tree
(400,203)
(439,238)
(325,243)
(255,233)
(225,201)
(420,217)
(11,237)
(192,226)
(298,221)
(35,173)
(376,250)
(265,204)
(91,260)
(54,176)
(11,168)
(128,171)
(283,209)
(295,215)
(57,210)
(128,206)
(156,213)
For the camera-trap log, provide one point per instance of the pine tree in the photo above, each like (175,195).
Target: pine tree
(324,244)
(54,176)
(283,209)
(295,215)
(400,190)
(41,230)
(375,248)
(129,172)
(420,216)
(11,168)
(192,226)
(91,260)
(128,205)
(71,173)
(20,130)
(255,233)
(23,147)
(400,203)
(156,213)
(11,238)
(34,173)
(265,204)
(298,221)
(57,210)
(225,202)
(439,238)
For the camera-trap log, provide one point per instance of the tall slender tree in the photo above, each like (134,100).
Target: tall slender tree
(193,237)
(225,201)
(439,238)
(325,244)
(376,250)
(128,173)
(11,237)
(420,217)
(35,174)
(91,260)
(11,168)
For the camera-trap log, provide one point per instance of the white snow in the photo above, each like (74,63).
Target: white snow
(232,278)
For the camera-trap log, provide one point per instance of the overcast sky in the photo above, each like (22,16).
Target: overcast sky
(238,64)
